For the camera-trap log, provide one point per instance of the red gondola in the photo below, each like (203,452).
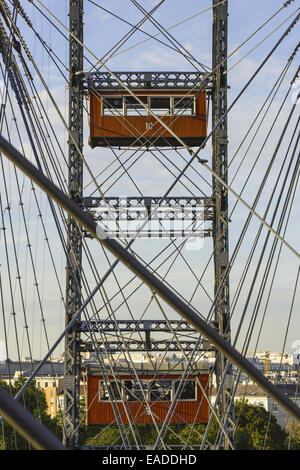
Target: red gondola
(119,119)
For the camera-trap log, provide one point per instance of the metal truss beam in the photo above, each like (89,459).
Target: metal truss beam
(72,370)
(149,201)
(220,222)
(134,345)
(146,80)
(170,217)
(111,328)
(134,326)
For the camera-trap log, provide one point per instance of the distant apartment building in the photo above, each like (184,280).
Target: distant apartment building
(276,367)
(51,398)
(255,396)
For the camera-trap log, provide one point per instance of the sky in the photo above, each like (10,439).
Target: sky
(191,27)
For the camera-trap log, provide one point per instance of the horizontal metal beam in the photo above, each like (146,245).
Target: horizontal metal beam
(168,217)
(145,80)
(179,208)
(132,326)
(155,284)
(133,345)
(148,201)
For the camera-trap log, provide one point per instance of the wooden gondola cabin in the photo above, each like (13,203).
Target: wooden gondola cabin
(119,119)
(151,394)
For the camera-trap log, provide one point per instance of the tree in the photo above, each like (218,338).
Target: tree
(257,429)
(192,434)
(34,401)
(293,430)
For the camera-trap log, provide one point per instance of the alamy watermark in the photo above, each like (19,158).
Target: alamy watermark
(130,221)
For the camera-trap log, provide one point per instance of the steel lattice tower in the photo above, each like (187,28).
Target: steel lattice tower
(74,243)
(220,223)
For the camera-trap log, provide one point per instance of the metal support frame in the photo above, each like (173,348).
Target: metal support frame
(145,80)
(72,371)
(149,345)
(169,201)
(220,222)
(74,241)
(186,335)
(135,326)
(172,216)
(154,283)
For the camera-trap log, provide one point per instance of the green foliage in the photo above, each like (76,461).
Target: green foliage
(257,429)
(34,400)
(192,434)
(294,435)
(145,434)
(99,435)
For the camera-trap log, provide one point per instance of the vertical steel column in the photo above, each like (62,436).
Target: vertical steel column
(72,370)
(220,222)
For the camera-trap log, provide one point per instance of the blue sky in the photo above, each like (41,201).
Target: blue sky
(101,32)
